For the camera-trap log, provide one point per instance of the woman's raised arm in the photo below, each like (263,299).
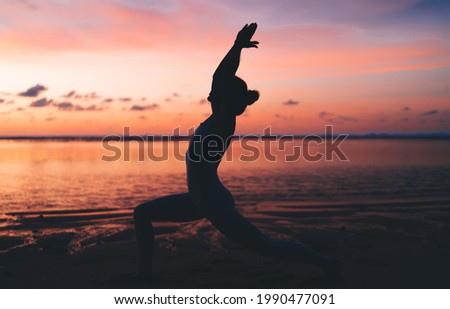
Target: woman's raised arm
(230,63)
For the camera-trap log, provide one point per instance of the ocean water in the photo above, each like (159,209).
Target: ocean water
(65,196)
(73,175)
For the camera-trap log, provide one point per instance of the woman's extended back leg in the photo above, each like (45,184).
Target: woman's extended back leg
(235,226)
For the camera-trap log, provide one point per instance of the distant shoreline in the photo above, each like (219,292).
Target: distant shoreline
(87,138)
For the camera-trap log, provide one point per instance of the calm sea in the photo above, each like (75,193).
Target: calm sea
(58,175)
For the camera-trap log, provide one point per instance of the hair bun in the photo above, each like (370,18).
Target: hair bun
(252,96)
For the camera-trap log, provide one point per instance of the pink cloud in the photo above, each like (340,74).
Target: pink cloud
(311,48)
(327,50)
(98,27)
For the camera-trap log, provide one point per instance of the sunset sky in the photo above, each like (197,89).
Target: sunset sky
(92,67)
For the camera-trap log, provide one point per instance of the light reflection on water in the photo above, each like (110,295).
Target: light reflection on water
(43,175)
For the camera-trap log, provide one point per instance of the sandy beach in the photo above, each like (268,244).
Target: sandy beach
(382,244)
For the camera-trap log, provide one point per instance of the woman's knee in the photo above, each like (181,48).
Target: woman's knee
(143,212)
(137,213)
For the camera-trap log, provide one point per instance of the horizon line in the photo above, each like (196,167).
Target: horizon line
(162,137)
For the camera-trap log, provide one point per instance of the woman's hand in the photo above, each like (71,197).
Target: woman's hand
(245,35)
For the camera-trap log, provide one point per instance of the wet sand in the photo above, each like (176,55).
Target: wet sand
(382,244)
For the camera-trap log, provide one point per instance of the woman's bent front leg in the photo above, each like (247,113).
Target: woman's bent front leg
(172,208)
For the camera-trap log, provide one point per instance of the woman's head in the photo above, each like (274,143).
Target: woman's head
(237,96)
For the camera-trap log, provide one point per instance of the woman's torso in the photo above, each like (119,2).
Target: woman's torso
(206,149)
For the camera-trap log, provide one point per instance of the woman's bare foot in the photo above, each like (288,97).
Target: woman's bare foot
(144,273)
(141,277)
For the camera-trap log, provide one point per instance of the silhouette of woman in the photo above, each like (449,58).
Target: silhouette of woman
(207,196)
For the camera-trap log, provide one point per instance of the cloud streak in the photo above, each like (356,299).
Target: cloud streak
(430,113)
(74,95)
(64,106)
(125,99)
(331,117)
(284,117)
(33,91)
(41,102)
(69,106)
(290,102)
(323,115)
(144,107)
